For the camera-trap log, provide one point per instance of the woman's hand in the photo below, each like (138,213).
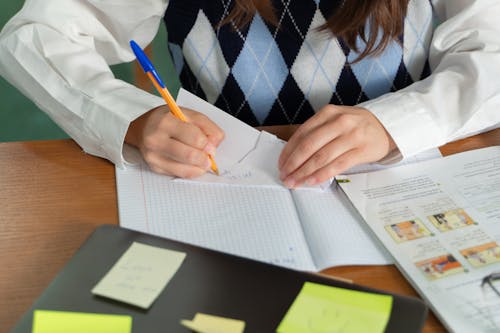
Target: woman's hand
(330,142)
(173,147)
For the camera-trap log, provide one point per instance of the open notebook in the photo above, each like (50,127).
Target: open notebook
(246,211)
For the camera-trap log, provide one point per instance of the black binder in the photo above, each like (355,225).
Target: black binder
(208,281)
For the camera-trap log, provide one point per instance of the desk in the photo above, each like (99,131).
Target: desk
(53,196)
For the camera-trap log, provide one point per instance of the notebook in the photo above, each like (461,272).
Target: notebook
(246,210)
(207,282)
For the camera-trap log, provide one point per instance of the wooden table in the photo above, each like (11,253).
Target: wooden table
(53,196)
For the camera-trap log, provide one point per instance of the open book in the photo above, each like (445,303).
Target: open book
(440,220)
(247,211)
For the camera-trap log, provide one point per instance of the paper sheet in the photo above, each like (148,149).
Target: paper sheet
(321,308)
(79,322)
(240,140)
(257,167)
(440,219)
(203,323)
(140,275)
(246,156)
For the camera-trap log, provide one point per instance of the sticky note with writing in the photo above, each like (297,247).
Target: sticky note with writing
(79,322)
(321,308)
(140,275)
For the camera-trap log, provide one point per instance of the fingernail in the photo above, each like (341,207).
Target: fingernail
(290,182)
(209,149)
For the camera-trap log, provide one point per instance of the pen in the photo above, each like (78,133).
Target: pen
(151,72)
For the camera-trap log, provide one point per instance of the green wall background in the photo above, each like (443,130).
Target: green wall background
(21,120)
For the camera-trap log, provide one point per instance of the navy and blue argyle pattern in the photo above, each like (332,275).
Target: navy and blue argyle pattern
(276,75)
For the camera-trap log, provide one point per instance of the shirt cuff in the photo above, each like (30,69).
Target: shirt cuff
(411,125)
(110,116)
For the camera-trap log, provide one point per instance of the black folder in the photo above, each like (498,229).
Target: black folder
(208,281)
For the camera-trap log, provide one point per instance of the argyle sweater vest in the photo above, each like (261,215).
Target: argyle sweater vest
(275,75)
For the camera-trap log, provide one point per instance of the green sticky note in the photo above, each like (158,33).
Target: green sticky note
(140,275)
(204,323)
(325,309)
(79,322)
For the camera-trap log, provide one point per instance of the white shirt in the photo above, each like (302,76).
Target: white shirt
(58,52)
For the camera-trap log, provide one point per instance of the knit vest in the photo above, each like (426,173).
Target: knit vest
(276,75)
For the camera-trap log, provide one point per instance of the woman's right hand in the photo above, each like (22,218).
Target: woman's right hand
(173,147)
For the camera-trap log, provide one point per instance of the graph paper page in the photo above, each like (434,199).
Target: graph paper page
(334,232)
(251,221)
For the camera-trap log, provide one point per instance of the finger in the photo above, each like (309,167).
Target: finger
(185,154)
(309,146)
(318,160)
(302,132)
(166,166)
(186,132)
(336,167)
(213,132)
(311,124)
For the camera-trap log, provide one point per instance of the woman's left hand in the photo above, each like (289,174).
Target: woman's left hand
(332,141)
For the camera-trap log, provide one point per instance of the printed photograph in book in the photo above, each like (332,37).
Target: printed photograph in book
(439,267)
(452,219)
(483,254)
(407,230)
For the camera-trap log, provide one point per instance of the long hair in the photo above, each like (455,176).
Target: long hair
(350,20)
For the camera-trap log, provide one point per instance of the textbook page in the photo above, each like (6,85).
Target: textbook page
(440,220)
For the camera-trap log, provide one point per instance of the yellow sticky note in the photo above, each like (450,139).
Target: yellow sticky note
(203,323)
(140,274)
(320,308)
(79,322)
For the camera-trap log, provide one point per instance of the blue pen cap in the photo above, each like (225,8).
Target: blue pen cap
(146,64)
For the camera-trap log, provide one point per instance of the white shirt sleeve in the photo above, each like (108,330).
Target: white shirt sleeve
(462,95)
(58,52)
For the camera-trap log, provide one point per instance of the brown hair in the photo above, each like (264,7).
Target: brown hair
(349,21)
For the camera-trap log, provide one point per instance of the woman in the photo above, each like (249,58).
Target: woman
(371,80)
